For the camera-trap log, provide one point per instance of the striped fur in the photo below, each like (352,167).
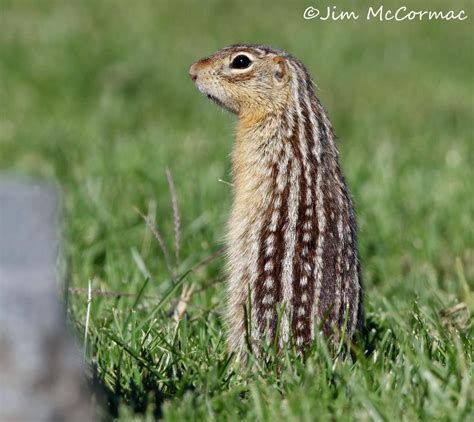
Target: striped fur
(292,246)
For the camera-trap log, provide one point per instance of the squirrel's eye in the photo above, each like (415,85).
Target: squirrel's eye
(240,62)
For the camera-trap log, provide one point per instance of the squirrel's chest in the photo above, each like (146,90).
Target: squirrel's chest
(252,199)
(261,191)
(254,188)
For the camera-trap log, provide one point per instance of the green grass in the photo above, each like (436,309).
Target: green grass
(95,95)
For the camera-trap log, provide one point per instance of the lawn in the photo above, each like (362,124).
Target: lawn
(95,95)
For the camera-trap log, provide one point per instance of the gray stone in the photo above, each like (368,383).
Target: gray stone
(41,369)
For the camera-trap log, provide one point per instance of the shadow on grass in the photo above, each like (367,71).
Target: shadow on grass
(138,397)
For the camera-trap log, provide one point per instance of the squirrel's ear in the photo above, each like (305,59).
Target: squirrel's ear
(280,68)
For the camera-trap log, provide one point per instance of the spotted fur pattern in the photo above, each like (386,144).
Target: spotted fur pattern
(292,246)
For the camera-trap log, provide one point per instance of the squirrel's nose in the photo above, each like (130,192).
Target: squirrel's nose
(193,72)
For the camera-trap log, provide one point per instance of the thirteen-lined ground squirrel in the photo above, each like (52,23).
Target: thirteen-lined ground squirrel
(292,247)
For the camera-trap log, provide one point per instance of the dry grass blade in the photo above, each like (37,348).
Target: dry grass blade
(114,293)
(140,263)
(187,292)
(457,316)
(88,313)
(176,215)
(148,236)
(183,302)
(154,229)
(226,182)
(106,293)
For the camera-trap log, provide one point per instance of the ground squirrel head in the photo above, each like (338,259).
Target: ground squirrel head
(245,79)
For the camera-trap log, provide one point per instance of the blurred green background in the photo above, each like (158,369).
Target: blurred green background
(96,96)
